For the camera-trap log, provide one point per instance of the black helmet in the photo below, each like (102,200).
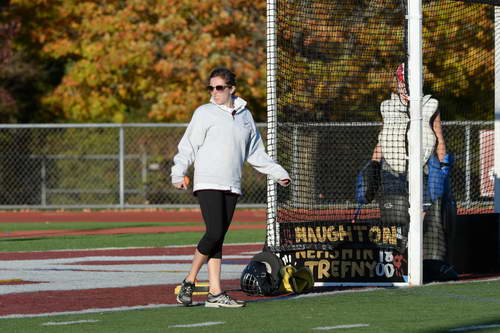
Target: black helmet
(261,276)
(255,280)
(273,264)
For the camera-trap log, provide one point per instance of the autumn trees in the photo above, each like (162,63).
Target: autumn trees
(338,58)
(140,60)
(148,60)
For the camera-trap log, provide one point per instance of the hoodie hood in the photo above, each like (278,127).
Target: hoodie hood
(238,102)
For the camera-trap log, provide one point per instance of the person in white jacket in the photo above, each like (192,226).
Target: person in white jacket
(389,169)
(220,137)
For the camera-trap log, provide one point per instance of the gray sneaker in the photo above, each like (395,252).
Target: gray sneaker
(223,301)
(186,293)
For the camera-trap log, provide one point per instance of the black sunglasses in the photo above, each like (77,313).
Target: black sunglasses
(218,88)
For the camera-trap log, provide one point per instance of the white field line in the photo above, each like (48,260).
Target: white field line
(54,266)
(461,297)
(135,247)
(208,323)
(72,273)
(157,306)
(416,289)
(91,311)
(62,323)
(328,328)
(473,328)
(466,281)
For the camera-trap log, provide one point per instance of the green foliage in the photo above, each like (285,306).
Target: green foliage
(24,75)
(147,60)
(459,66)
(85,160)
(337,59)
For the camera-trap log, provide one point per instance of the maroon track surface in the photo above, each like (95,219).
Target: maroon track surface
(256,217)
(194,215)
(56,301)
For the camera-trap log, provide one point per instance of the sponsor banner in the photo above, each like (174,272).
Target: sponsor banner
(344,252)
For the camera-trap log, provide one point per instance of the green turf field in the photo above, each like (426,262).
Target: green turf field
(121,240)
(10,227)
(431,308)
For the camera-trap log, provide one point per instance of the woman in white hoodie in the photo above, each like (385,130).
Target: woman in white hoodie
(220,137)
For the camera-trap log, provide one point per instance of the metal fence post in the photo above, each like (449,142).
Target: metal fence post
(122,166)
(467,166)
(44,182)
(144,174)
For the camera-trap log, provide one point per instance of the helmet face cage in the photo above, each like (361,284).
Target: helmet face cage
(250,285)
(255,280)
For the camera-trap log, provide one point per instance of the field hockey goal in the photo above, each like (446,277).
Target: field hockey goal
(339,73)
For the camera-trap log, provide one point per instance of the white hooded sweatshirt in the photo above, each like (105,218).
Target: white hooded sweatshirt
(219,140)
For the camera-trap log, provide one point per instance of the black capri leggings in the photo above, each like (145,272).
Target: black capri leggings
(217,208)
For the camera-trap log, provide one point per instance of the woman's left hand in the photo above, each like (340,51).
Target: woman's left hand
(284,182)
(184,184)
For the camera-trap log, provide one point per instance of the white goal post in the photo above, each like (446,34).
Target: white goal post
(415,177)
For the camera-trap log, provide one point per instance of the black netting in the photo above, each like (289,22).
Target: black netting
(337,99)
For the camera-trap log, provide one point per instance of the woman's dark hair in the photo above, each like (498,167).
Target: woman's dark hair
(224,73)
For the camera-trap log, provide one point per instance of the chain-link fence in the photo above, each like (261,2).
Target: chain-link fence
(330,181)
(99,166)
(128,166)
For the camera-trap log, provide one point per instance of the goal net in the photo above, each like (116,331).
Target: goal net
(338,121)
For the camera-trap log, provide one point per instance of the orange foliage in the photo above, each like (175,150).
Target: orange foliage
(138,60)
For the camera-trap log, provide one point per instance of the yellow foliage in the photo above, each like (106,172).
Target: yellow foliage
(135,61)
(130,60)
